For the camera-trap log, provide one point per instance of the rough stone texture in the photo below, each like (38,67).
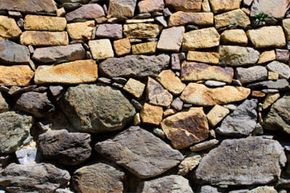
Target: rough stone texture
(197,18)
(282,69)
(252,160)
(16,75)
(122,8)
(278,117)
(93,108)
(79,71)
(273,8)
(281,84)
(199,94)
(135,65)
(122,46)
(44,23)
(270,99)
(237,18)
(202,38)
(263,189)
(234,36)
(36,6)
(185,5)
(216,114)
(81,30)
(188,164)
(150,6)
(85,12)
(186,128)
(101,49)
(29,178)
(151,114)
(64,147)
(99,178)
(224,5)
(58,54)
(238,56)
(144,155)
(171,82)
(242,121)
(267,56)
(172,184)
(3,104)
(286,27)
(12,53)
(135,87)
(9,28)
(171,39)
(208,189)
(252,74)
(141,30)
(206,57)
(35,103)
(110,31)
(14,130)
(193,71)
(43,38)
(144,48)
(204,145)
(257,37)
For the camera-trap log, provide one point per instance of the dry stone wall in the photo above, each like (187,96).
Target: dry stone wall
(144,96)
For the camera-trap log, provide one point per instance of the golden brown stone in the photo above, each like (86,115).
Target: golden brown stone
(224,5)
(134,87)
(101,49)
(217,114)
(184,5)
(151,114)
(141,30)
(171,82)
(236,18)
(206,57)
(16,75)
(81,30)
(41,38)
(286,26)
(122,46)
(234,36)
(184,18)
(150,6)
(144,48)
(8,28)
(44,23)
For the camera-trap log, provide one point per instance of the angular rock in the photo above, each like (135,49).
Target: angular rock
(270,99)
(237,18)
(208,189)
(122,46)
(81,30)
(144,155)
(35,103)
(110,31)
(146,6)
(79,71)
(12,53)
(267,56)
(234,36)
(277,118)
(199,94)
(224,5)
(196,18)
(29,178)
(186,128)
(43,38)
(14,130)
(251,74)
(151,114)
(8,28)
(171,39)
(206,57)
(134,87)
(257,37)
(282,55)
(101,49)
(172,183)
(188,164)
(281,84)
(204,145)
(184,5)
(141,30)
(217,114)
(27,154)
(273,8)
(242,121)
(214,83)
(85,12)
(64,147)
(16,75)
(3,104)
(44,23)
(36,6)
(263,189)
(93,108)
(134,65)
(101,177)
(247,161)
(157,95)
(202,38)
(122,8)
(171,82)
(286,27)
(144,48)
(282,69)
(59,54)
(238,56)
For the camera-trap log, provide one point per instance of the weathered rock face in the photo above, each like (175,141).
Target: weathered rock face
(144,155)
(273,8)
(92,108)
(109,31)
(172,183)
(224,5)
(135,65)
(197,18)
(81,30)
(236,17)
(9,28)
(253,160)
(16,75)
(27,178)
(64,147)
(141,30)
(171,39)
(88,11)
(252,74)
(44,23)
(44,38)
(234,36)
(150,6)
(101,49)
(281,84)
(14,129)
(12,53)
(151,114)
(186,128)
(3,104)
(282,69)
(184,5)
(121,8)
(101,177)
(171,82)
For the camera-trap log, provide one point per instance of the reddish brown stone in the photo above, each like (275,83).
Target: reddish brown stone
(150,6)
(88,11)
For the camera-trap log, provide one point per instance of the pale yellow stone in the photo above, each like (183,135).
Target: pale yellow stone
(60,12)
(134,87)
(168,112)
(76,72)
(151,114)
(286,26)
(273,75)
(149,20)
(196,18)
(224,5)
(8,28)
(217,114)
(202,38)
(122,46)
(16,75)
(270,99)
(44,38)
(44,23)
(101,49)
(206,57)
(144,48)
(236,18)
(141,30)
(205,6)
(267,56)
(137,119)
(188,164)
(81,30)
(268,36)
(171,82)
(234,36)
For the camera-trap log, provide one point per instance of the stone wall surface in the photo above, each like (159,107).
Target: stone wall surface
(144,96)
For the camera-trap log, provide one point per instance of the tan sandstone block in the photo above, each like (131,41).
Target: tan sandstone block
(44,23)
